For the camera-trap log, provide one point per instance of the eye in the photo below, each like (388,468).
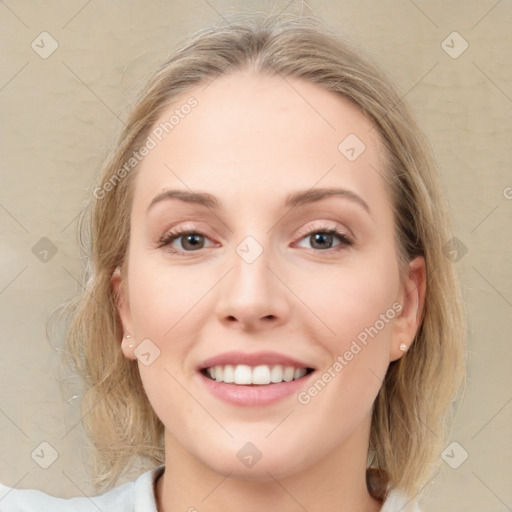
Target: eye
(190,240)
(322,239)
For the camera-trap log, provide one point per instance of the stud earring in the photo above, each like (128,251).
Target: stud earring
(403,347)
(128,337)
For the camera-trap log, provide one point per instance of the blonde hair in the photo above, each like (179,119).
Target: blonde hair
(408,424)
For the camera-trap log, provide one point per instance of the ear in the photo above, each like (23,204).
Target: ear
(412,299)
(120,292)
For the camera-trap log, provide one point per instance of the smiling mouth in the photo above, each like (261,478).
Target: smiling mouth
(260,375)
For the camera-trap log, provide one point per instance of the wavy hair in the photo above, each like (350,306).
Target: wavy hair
(409,415)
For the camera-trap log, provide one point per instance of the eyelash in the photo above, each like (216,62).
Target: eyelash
(171,236)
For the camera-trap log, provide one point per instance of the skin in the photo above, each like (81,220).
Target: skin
(251,141)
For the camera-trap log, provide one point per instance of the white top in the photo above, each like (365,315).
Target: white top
(136,496)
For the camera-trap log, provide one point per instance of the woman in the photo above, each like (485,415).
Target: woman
(269,317)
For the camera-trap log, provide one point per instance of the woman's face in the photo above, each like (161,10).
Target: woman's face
(260,280)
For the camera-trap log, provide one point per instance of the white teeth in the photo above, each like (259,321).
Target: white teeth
(229,374)
(276,375)
(288,373)
(260,375)
(299,372)
(243,374)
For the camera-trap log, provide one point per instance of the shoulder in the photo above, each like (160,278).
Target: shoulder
(398,501)
(136,496)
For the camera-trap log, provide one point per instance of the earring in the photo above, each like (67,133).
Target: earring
(128,337)
(403,347)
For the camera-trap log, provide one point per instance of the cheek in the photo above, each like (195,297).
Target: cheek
(162,299)
(165,306)
(355,303)
(359,308)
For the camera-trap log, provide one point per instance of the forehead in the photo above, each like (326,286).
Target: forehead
(250,135)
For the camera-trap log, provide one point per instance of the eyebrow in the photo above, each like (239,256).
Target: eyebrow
(316,194)
(293,199)
(200,198)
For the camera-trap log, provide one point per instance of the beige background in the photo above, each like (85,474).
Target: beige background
(58,113)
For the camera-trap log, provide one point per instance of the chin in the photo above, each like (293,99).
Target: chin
(250,464)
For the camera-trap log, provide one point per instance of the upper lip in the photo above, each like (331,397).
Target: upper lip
(252,359)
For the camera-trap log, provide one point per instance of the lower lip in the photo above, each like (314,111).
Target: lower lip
(255,395)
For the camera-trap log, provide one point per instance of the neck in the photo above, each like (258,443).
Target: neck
(336,482)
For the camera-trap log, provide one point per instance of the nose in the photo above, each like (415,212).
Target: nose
(253,296)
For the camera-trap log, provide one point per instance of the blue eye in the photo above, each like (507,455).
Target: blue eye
(191,240)
(322,239)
